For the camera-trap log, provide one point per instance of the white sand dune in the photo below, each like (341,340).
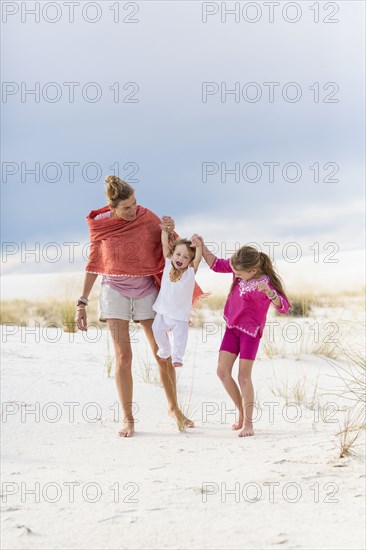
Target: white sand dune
(347,273)
(204,488)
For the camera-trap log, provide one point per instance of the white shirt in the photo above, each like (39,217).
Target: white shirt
(175,299)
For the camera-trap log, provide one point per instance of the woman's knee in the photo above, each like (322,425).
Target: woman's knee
(124,360)
(163,362)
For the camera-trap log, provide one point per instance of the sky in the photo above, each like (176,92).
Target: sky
(163,118)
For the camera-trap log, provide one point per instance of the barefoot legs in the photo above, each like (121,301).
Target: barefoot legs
(121,340)
(247,391)
(243,398)
(224,372)
(168,379)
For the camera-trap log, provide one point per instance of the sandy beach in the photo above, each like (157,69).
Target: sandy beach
(125,124)
(70,482)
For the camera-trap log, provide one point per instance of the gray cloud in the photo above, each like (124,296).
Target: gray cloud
(170,132)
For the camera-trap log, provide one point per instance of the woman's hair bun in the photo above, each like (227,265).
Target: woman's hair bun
(117,190)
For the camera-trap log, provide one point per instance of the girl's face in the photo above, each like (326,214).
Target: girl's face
(126,210)
(244,274)
(181,257)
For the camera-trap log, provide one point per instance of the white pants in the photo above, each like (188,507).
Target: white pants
(161,326)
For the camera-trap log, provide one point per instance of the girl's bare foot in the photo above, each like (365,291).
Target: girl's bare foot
(128,429)
(177,364)
(182,421)
(247,430)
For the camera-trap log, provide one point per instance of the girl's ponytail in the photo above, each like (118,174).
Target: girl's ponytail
(248,258)
(268,268)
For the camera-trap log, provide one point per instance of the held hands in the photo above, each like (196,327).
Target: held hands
(197,241)
(168,224)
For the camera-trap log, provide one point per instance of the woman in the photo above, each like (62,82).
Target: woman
(125,247)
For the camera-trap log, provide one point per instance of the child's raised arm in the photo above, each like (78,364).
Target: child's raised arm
(197,243)
(165,243)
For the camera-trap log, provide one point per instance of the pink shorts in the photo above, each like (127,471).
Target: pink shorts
(242,344)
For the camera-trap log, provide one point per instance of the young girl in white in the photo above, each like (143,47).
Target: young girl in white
(174,302)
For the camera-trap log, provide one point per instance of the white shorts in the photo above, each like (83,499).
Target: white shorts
(114,305)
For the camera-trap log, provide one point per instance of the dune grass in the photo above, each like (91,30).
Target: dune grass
(301,305)
(148,369)
(352,373)
(109,360)
(349,436)
(213,302)
(16,312)
(300,391)
(51,312)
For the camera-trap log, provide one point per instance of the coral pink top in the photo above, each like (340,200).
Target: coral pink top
(132,287)
(246,307)
(128,253)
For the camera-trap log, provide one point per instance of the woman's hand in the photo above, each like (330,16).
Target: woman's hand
(81,319)
(168,224)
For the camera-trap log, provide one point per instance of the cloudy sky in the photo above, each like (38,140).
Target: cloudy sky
(149,97)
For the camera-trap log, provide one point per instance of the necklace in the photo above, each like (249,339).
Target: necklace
(176,274)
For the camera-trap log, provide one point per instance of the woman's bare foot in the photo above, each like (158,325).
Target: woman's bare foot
(128,429)
(177,364)
(247,430)
(239,424)
(182,421)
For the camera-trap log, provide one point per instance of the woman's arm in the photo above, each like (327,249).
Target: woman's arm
(80,317)
(89,281)
(168,225)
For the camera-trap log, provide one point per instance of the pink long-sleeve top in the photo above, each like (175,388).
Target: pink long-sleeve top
(246,307)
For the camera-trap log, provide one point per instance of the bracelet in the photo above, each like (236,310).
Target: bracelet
(275,295)
(82,300)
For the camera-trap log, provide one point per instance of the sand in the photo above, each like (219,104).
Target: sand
(204,488)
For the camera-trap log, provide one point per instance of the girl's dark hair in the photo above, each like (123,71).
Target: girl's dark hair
(117,190)
(248,258)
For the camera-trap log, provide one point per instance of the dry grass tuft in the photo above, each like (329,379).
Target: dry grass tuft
(148,369)
(352,374)
(67,313)
(109,358)
(301,304)
(348,436)
(296,392)
(213,302)
(15,312)
(50,312)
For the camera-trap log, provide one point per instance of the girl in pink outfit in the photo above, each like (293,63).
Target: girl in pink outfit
(255,286)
